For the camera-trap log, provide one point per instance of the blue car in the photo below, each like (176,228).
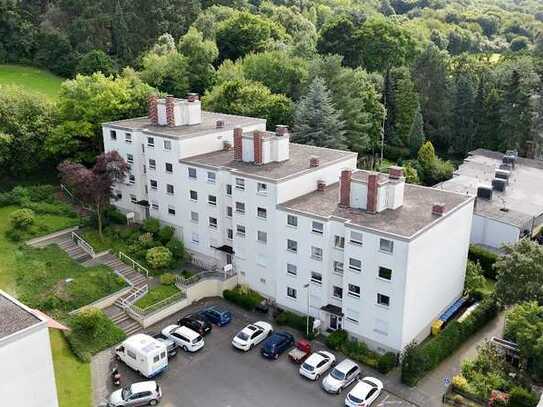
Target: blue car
(216,315)
(276,344)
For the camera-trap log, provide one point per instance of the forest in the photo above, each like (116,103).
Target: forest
(405,80)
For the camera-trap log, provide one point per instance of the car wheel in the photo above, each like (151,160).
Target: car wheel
(185,348)
(276,356)
(252,346)
(339,390)
(153,403)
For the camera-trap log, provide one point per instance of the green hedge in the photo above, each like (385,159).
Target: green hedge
(521,397)
(486,259)
(295,321)
(245,298)
(418,360)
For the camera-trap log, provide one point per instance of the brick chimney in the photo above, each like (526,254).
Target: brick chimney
(281,129)
(314,162)
(257,146)
(438,209)
(152,103)
(238,144)
(371,205)
(192,97)
(170,106)
(321,185)
(345,188)
(395,172)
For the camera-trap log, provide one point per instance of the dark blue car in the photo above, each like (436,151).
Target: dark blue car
(276,344)
(216,315)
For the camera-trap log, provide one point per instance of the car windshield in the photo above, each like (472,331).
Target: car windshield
(337,374)
(243,336)
(126,393)
(308,367)
(355,399)
(197,339)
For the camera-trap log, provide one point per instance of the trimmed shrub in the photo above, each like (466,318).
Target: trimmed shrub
(151,225)
(114,216)
(165,234)
(336,339)
(521,397)
(168,279)
(51,208)
(245,298)
(387,362)
(486,259)
(295,321)
(21,218)
(158,257)
(177,248)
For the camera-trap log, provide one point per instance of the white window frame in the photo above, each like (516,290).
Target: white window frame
(334,292)
(292,293)
(154,205)
(356,269)
(128,138)
(152,164)
(229,211)
(150,141)
(240,184)
(228,189)
(315,227)
(229,233)
(194,217)
(292,250)
(262,188)
(341,240)
(386,250)
(355,238)
(212,200)
(211,177)
(166,168)
(240,207)
(240,232)
(113,135)
(353,293)
(190,195)
(380,297)
(291,272)
(133,198)
(381,277)
(317,281)
(131,179)
(155,187)
(170,209)
(337,268)
(316,253)
(294,218)
(129,158)
(261,233)
(168,186)
(192,170)
(213,222)
(167,145)
(195,238)
(260,209)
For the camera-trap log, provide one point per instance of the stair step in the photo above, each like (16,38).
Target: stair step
(121,317)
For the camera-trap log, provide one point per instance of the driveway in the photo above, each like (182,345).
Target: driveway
(221,376)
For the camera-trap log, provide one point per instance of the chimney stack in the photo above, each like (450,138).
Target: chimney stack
(170,106)
(192,97)
(238,144)
(257,146)
(395,172)
(438,209)
(345,188)
(321,185)
(371,205)
(281,129)
(152,103)
(314,162)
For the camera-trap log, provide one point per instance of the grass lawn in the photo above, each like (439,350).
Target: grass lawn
(106,243)
(31,79)
(73,377)
(155,295)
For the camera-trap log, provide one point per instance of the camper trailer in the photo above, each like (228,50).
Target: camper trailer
(144,354)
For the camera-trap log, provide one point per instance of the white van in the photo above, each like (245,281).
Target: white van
(144,354)
(185,338)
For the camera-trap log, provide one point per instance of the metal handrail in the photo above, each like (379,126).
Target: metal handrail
(80,242)
(136,295)
(135,265)
(153,307)
(185,282)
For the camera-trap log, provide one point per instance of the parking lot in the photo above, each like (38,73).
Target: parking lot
(221,376)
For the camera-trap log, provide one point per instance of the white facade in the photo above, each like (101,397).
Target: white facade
(493,232)
(237,211)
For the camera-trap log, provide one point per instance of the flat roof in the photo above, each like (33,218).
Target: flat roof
(412,217)
(297,164)
(207,125)
(14,317)
(522,198)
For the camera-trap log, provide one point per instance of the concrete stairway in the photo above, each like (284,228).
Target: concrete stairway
(66,243)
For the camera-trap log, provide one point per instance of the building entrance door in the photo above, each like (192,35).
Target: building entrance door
(335,322)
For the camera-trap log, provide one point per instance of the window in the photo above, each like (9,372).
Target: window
(317,227)
(385,273)
(152,164)
(195,238)
(352,316)
(354,291)
(240,230)
(262,188)
(169,167)
(193,195)
(316,277)
(154,184)
(262,237)
(229,211)
(316,253)
(192,173)
(131,354)
(169,189)
(211,177)
(386,246)
(262,213)
(132,179)
(355,265)
(117,195)
(130,159)
(292,269)
(292,220)
(154,205)
(240,184)
(212,222)
(356,238)
(240,207)
(128,137)
(339,242)
(167,145)
(383,300)
(292,245)
(337,292)
(229,234)
(338,267)
(229,189)
(133,198)
(171,210)
(151,141)
(291,292)
(212,200)
(194,217)
(113,135)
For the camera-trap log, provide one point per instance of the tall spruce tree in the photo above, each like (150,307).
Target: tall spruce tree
(316,120)
(416,133)
(464,111)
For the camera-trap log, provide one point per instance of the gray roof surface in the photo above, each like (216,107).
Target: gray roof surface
(523,197)
(208,125)
(297,163)
(414,215)
(13,317)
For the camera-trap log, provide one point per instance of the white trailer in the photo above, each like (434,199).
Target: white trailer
(144,354)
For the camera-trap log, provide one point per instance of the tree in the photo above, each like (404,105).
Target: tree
(200,54)
(164,45)
(167,72)
(475,281)
(337,36)
(520,273)
(95,61)
(415,137)
(54,52)
(158,257)
(94,187)
(316,120)
(464,114)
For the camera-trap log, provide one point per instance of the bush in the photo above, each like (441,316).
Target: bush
(521,397)
(151,225)
(168,279)
(295,321)
(245,298)
(386,362)
(158,257)
(165,234)
(485,258)
(21,218)
(113,215)
(336,339)
(177,248)
(50,208)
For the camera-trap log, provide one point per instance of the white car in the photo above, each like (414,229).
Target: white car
(136,394)
(316,364)
(341,376)
(252,335)
(184,337)
(364,393)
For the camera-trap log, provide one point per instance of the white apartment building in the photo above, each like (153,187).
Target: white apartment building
(382,259)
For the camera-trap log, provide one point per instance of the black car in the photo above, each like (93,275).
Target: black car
(196,323)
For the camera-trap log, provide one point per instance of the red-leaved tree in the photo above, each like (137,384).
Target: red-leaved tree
(93,187)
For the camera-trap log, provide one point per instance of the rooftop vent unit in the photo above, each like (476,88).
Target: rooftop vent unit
(506,167)
(499,184)
(513,153)
(509,159)
(484,192)
(503,174)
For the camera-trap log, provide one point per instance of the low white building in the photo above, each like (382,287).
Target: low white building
(509,191)
(382,259)
(26,365)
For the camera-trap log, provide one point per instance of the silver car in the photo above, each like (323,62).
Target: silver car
(137,394)
(341,376)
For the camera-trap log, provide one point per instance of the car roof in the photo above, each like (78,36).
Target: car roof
(314,359)
(345,365)
(189,333)
(143,386)
(262,324)
(361,389)
(216,309)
